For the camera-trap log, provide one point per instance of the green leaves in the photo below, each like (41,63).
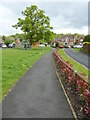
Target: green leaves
(34,23)
(87,38)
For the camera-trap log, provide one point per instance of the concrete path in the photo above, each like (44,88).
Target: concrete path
(80,57)
(37,94)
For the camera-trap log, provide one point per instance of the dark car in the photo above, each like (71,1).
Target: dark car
(66,45)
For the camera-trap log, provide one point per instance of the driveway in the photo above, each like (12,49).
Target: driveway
(80,57)
(37,94)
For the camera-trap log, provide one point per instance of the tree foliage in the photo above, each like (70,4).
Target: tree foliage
(87,38)
(7,42)
(34,24)
(4,37)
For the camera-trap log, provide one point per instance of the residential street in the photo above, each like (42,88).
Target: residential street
(37,94)
(79,57)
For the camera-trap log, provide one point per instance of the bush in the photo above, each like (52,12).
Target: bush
(7,42)
(86,43)
(4,37)
(75,81)
(87,38)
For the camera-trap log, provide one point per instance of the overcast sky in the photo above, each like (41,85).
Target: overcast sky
(65,17)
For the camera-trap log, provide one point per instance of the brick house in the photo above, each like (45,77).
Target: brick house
(80,39)
(69,39)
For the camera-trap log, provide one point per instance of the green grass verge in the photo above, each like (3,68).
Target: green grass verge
(15,62)
(76,65)
(77,49)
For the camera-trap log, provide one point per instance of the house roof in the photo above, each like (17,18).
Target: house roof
(64,37)
(81,37)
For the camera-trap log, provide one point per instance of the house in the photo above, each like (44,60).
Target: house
(1,41)
(54,41)
(69,39)
(80,39)
(72,39)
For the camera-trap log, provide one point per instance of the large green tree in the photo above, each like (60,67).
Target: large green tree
(34,24)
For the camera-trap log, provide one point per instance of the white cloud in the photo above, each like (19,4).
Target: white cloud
(7,19)
(83,30)
(64,17)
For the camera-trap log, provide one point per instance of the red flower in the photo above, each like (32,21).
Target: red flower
(87,110)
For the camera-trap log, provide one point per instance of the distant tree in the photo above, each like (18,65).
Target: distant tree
(34,24)
(4,37)
(87,38)
(61,34)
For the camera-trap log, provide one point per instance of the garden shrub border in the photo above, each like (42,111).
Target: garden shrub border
(76,82)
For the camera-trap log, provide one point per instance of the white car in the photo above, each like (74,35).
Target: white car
(41,45)
(4,46)
(10,45)
(77,46)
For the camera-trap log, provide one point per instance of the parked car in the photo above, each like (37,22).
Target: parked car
(1,43)
(67,46)
(41,45)
(11,45)
(61,46)
(77,46)
(4,46)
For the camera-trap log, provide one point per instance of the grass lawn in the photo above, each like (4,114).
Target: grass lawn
(77,49)
(76,65)
(15,63)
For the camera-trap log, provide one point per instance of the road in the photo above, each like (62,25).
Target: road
(80,57)
(37,94)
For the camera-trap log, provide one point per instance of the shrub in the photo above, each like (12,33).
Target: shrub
(87,38)
(7,42)
(86,43)
(75,81)
(4,37)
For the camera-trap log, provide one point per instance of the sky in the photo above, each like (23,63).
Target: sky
(65,16)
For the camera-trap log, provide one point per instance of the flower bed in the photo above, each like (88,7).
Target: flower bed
(75,85)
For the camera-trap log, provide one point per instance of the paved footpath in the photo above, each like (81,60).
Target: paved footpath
(37,94)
